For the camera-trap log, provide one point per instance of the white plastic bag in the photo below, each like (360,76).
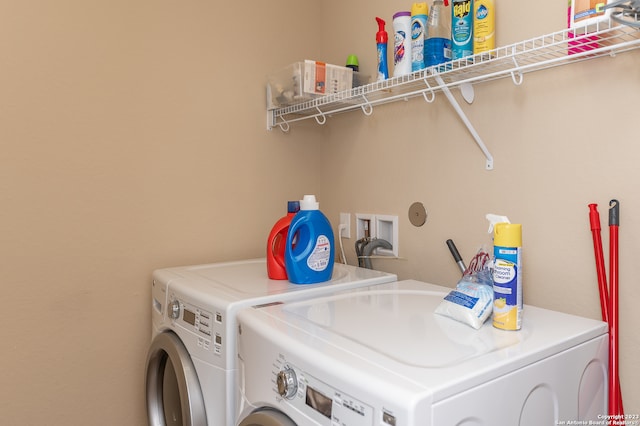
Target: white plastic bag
(472,301)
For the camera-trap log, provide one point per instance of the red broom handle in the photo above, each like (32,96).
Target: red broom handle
(594,219)
(615,394)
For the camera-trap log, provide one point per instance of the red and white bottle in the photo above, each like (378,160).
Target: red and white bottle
(277,241)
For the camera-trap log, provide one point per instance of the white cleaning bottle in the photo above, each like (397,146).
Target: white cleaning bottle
(401,43)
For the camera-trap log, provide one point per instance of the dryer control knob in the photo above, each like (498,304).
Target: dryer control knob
(174,309)
(287,383)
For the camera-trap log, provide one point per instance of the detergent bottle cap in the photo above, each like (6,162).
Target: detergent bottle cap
(293,206)
(494,219)
(309,202)
(352,62)
(381,35)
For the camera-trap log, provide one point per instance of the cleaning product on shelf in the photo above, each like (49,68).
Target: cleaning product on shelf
(461,29)
(507,273)
(588,13)
(358,78)
(277,241)
(484,26)
(438,43)
(352,62)
(401,43)
(419,14)
(310,259)
(382,39)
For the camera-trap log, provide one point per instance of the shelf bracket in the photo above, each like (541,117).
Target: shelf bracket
(465,120)
(320,117)
(284,126)
(270,116)
(272,122)
(367,108)
(517,75)
(431,94)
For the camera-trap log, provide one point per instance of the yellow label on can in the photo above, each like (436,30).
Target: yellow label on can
(505,317)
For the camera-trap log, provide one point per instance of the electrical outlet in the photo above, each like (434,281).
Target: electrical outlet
(387,229)
(345,219)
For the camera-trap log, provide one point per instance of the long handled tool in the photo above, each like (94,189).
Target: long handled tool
(456,255)
(615,394)
(594,219)
(609,300)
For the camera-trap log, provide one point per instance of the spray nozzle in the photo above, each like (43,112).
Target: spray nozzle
(494,219)
(381,35)
(446,2)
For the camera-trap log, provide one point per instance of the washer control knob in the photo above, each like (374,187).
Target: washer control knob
(287,383)
(174,310)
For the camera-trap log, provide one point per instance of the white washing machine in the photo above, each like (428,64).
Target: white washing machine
(383,358)
(191,364)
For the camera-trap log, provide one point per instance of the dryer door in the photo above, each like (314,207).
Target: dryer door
(174,396)
(267,417)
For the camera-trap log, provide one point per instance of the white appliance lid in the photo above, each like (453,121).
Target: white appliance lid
(248,279)
(394,327)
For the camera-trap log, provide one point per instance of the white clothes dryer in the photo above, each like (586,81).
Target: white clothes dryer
(383,358)
(191,363)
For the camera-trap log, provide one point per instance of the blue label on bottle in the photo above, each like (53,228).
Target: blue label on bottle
(383,69)
(417,30)
(482,12)
(418,34)
(461,299)
(506,275)
(437,51)
(462,32)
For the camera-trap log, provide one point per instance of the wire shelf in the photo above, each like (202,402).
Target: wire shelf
(547,51)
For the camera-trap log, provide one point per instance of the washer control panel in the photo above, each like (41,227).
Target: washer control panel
(192,318)
(325,404)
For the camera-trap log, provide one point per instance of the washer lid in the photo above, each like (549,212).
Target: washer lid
(247,279)
(393,327)
(402,326)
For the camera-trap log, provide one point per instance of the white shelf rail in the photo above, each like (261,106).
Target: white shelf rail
(547,51)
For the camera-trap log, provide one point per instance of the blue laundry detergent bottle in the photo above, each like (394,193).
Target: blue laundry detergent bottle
(311,259)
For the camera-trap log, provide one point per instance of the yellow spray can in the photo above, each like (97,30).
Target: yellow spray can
(484,26)
(507,276)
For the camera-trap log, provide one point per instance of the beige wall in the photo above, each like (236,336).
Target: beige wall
(133,137)
(561,140)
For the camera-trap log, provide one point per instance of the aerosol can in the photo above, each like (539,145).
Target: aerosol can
(507,273)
